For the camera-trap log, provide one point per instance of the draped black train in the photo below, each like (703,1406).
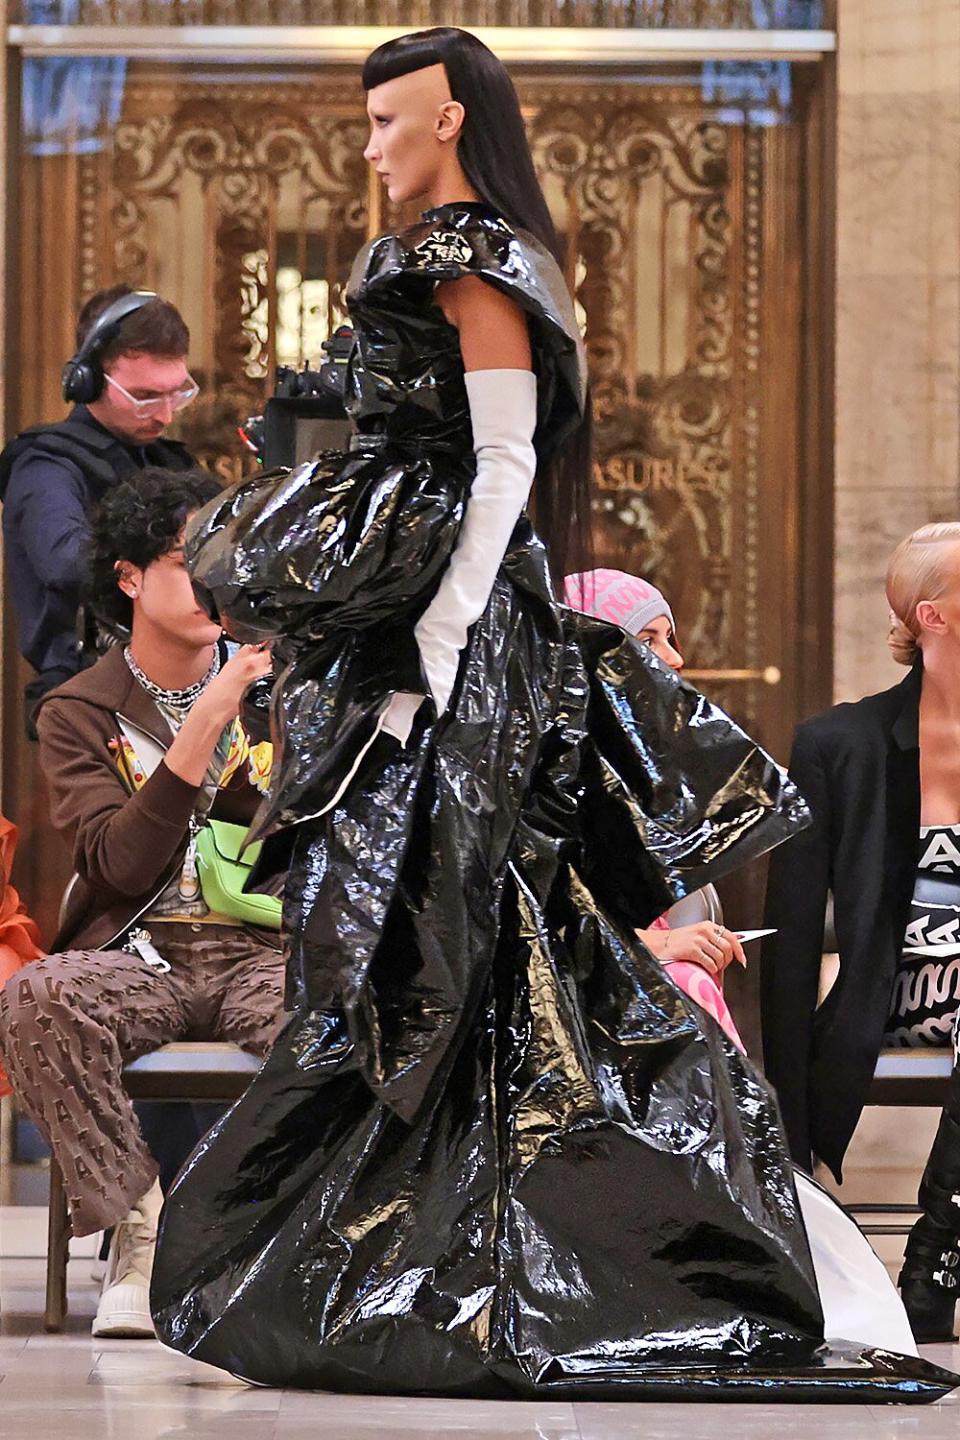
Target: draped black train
(495,1150)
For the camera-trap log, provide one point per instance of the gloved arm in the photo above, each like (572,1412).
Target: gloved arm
(503,414)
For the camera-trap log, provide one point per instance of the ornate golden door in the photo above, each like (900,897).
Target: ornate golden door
(684,251)
(687,198)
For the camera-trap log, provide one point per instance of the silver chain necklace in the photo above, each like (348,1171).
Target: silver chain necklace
(176,699)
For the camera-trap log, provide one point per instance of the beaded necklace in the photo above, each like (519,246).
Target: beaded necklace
(176,699)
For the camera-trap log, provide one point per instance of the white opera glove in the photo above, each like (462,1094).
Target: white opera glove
(503,415)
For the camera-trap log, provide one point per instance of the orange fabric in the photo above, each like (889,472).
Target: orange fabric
(19,936)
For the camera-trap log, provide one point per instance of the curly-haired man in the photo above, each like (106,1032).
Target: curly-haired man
(138,751)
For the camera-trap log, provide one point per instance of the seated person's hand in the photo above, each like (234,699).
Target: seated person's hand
(218,706)
(226,690)
(706,944)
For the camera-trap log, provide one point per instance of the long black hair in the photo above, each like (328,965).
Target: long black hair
(496,159)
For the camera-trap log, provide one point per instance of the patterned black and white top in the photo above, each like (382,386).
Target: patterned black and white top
(926,993)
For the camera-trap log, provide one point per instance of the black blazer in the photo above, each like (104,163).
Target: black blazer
(858,767)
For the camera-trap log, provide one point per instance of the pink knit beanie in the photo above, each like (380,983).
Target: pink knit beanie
(624,600)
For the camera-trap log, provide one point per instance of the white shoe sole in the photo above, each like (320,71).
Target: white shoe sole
(124,1325)
(124,1312)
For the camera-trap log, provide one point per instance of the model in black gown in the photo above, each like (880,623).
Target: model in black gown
(495,1150)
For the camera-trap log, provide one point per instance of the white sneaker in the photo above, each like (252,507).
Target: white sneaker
(124,1308)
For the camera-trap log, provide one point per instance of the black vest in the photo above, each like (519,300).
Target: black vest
(100,456)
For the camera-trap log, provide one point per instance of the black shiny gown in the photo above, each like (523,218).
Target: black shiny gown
(495,1150)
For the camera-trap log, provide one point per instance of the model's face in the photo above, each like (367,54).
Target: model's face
(163,596)
(144,377)
(413,125)
(659,637)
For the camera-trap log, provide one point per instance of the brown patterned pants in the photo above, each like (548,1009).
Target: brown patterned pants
(69,1023)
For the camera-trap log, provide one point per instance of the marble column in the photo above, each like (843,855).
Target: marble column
(898,306)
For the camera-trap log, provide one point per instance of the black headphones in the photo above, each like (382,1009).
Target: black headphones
(82,377)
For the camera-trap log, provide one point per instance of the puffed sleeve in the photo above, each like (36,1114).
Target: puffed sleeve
(344,540)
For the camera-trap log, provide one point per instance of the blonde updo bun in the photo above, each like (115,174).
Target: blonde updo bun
(902,642)
(919,569)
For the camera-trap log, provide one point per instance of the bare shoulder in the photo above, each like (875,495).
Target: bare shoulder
(493,328)
(469,296)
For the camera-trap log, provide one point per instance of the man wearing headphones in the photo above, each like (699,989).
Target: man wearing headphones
(127,380)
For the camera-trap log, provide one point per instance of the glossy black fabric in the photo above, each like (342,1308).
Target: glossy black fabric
(495,1150)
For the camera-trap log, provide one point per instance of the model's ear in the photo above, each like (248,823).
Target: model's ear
(450,120)
(930,617)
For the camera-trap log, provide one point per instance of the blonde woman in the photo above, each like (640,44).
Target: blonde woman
(882,778)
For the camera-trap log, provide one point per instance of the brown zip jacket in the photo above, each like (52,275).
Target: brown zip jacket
(127,843)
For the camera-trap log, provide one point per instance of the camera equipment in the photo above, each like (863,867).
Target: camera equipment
(252,434)
(306,412)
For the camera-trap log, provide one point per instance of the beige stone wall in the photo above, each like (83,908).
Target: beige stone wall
(898,305)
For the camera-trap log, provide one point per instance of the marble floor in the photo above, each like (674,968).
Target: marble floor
(72,1387)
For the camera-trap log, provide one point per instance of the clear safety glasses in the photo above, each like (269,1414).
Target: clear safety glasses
(156,404)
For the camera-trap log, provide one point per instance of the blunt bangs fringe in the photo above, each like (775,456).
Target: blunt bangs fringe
(401,57)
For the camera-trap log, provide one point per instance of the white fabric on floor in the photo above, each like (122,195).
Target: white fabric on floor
(860,1301)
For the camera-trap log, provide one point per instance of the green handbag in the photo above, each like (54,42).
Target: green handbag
(224,866)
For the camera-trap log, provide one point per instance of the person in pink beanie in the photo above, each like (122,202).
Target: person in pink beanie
(694,956)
